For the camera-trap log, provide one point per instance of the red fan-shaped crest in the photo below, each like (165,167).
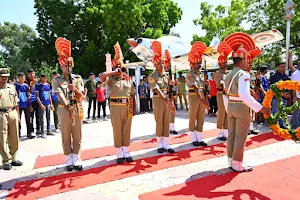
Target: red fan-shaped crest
(118,50)
(253,54)
(224,49)
(240,40)
(156,48)
(63,47)
(198,49)
(190,57)
(167,60)
(256,52)
(157,51)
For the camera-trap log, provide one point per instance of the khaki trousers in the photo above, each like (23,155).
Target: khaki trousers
(162,115)
(71,135)
(238,126)
(196,114)
(173,114)
(222,121)
(182,94)
(121,124)
(9,133)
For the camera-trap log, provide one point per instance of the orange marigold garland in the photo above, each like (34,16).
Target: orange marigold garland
(272,120)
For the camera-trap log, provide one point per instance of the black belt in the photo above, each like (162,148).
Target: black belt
(221,90)
(119,100)
(7,109)
(191,90)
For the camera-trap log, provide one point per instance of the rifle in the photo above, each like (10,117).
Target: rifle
(70,82)
(170,86)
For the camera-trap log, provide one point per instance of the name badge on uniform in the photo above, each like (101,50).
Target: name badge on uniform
(165,92)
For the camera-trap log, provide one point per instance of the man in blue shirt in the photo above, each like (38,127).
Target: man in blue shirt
(279,75)
(24,104)
(43,97)
(264,81)
(31,80)
(55,104)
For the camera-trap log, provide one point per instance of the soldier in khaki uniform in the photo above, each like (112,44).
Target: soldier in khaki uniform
(70,112)
(182,90)
(9,122)
(237,86)
(122,91)
(162,104)
(222,121)
(197,100)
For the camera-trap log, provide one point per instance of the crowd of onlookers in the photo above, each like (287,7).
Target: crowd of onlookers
(36,101)
(259,85)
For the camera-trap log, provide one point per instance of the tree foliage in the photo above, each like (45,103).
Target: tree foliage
(13,40)
(267,15)
(220,21)
(94,26)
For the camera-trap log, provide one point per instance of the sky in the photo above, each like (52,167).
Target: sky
(22,11)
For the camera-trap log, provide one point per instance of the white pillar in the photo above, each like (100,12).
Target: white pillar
(137,82)
(288,31)
(108,62)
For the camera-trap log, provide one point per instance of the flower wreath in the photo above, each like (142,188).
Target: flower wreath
(272,120)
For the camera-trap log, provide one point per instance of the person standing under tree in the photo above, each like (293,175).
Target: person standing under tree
(162,104)
(240,101)
(90,87)
(142,90)
(9,120)
(122,102)
(43,97)
(213,96)
(70,112)
(100,93)
(197,99)
(24,104)
(182,90)
(34,113)
(55,103)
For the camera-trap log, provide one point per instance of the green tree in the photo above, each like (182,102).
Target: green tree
(221,20)
(94,26)
(13,40)
(267,15)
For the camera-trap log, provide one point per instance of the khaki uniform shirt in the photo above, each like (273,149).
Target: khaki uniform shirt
(220,78)
(241,88)
(60,85)
(193,79)
(182,83)
(234,86)
(159,81)
(8,96)
(119,87)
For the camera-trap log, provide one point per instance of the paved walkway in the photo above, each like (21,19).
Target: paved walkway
(99,134)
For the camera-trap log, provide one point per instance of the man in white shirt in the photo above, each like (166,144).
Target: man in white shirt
(237,86)
(296,97)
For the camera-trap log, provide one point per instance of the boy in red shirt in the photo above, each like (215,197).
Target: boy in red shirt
(213,99)
(101,92)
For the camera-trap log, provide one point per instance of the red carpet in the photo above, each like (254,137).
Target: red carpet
(47,186)
(279,180)
(58,159)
